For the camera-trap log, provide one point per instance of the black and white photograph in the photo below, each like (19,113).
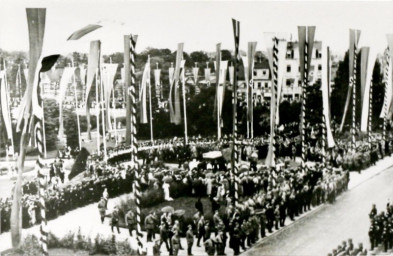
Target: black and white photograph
(195,127)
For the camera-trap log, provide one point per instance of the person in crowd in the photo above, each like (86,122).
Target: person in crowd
(102,209)
(190,239)
(201,231)
(115,219)
(175,243)
(150,222)
(130,221)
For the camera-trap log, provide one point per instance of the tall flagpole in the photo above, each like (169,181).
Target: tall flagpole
(353,130)
(76,107)
(101,109)
(235,150)
(43,123)
(97,115)
(150,113)
(184,107)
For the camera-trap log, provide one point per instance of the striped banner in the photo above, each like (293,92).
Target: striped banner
(134,145)
(306,43)
(235,149)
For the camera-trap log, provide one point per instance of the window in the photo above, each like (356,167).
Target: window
(255,72)
(319,67)
(288,68)
(289,54)
(288,82)
(266,85)
(264,72)
(259,84)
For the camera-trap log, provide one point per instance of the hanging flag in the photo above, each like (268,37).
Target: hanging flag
(282,51)
(82,73)
(178,80)
(221,89)
(64,82)
(272,58)
(388,79)
(142,92)
(83,31)
(217,69)
(231,71)
(354,36)
(92,68)
(325,95)
(372,56)
(250,81)
(108,72)
(174,110)
(195,71)
(157,75)
(207,75)
(5,105)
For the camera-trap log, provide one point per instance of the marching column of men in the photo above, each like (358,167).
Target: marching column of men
(381,228)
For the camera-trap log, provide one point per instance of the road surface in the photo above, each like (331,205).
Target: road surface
(323,230)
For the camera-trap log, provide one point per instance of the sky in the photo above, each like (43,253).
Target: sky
(199,24)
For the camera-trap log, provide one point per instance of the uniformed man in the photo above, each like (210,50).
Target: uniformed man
(102,209)
(115,219)
(130,221)
(175,243)
(149,226)
(190,239)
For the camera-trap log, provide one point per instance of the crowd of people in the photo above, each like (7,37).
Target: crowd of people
(381,228)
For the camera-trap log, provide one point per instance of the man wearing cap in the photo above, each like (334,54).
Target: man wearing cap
(149,226)
(190,239)
(102,209)
(175,243)
(115,219)
(130,221)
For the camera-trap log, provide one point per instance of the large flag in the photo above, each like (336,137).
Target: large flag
(5,105)
(388,79)
(142,92)
(207,75)
(83,31)
(64,82)
(92,68)
(157,83)
(221,89)
(231,71)
(250,79)
(354,36)
(82,72)
(108,72)
(195,71)
(174,102)
(370,62)
(326,66)
(282,51)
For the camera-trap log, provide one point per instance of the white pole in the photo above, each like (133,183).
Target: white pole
(103,118)
(76,108)
(185,110)
(43,122)
(114,113)
(97,115)
(151,115)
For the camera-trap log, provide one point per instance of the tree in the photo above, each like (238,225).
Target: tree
(198,57)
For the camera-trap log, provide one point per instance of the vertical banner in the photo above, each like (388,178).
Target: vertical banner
(250,86)
(207,74)
(367,66)
(92,66)
(231,71)
(325,95)
(157,83)
(217,67)
(174,101)
(354,36)
(142,92)
(65,80)
(282,51)
(306,42)
(108,72)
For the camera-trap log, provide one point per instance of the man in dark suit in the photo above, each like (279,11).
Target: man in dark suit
(190,239)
